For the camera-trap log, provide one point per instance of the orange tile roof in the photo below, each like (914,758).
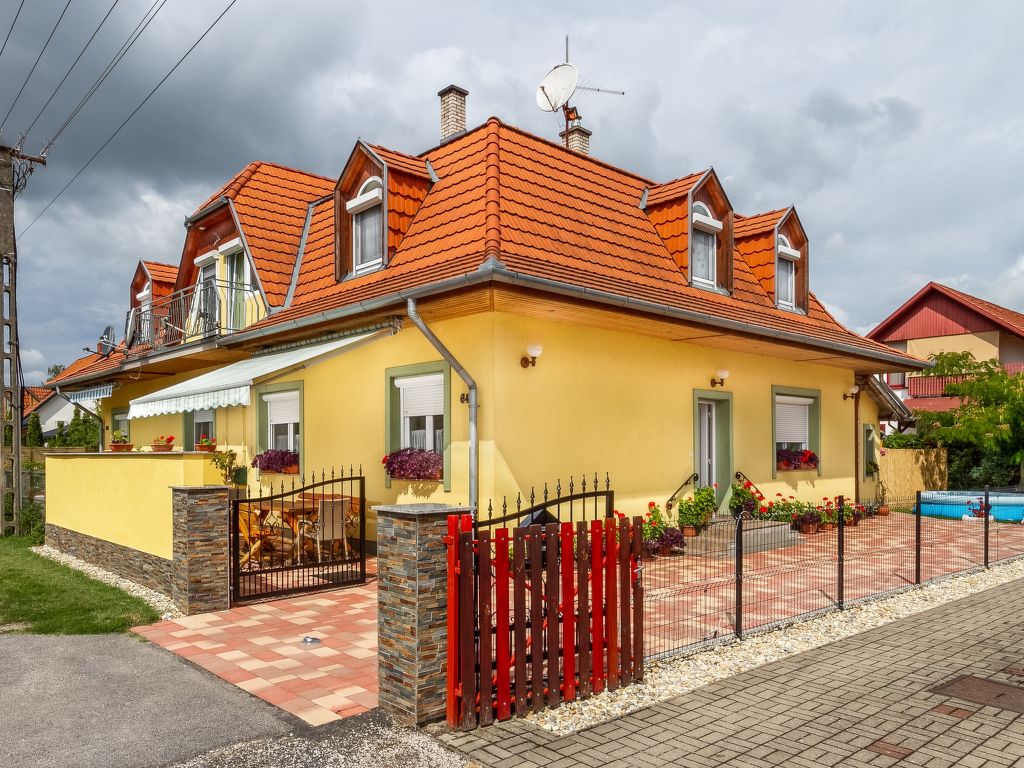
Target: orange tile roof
(559,216)
(415,166)
(33,397)
(90,365)
(747,226)
(161,273)
(271,202)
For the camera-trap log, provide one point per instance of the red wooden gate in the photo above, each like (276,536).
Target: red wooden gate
(547,614)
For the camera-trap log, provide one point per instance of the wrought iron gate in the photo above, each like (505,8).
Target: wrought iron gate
(301,539)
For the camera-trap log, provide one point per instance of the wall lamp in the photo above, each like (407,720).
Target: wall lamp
(722,375)
(852,393)
(532,353)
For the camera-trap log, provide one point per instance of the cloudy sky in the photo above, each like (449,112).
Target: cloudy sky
(894,127)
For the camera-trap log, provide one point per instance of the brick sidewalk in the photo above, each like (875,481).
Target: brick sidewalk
(863,701)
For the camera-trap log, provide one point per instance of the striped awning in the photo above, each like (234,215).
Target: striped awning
(231,384)
(91,393)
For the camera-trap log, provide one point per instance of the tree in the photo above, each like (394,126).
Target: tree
(54,370)
(989,419)
(34,433)
(82,431)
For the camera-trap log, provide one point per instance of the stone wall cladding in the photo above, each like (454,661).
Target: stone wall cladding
(201,572)
(141,567)
(412,610)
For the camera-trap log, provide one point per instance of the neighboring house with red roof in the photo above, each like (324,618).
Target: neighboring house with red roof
(942,319)
(590,318)
(53,409)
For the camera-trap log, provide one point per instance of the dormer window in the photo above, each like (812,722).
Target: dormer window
(367,212)
(704,247)
(785,274)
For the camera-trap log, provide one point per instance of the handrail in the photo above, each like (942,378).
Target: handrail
(742,477)
(686,482)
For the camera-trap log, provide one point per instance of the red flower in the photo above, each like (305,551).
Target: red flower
(651,505)
(771,503)
(748,484)
(794,515)
(764,509)
(384,460)
(714,485)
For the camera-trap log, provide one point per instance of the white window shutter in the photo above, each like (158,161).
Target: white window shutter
(282,407)
(792,415)
(422,395)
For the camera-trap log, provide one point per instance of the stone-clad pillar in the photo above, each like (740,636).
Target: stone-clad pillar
(201,579)
(412,609)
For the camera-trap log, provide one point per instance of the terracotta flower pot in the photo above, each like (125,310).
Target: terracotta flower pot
(121,447)
(828,526)
(808,528)
(664,551)
(207,448)
(882,511)
(161,447)
(690,530)
(292,470)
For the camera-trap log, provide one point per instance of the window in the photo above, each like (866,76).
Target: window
(203,424)
(704,246)
(119,423)
(785,274)
(234,268)
(870,461)
(897,380)
(792,422)
(422,411)
(283,420)
(206,298)
(367,210)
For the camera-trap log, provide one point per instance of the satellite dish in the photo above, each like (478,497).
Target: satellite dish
(557,87)
(106,342)
(130,328)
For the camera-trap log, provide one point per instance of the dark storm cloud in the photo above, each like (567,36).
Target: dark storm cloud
(858,113)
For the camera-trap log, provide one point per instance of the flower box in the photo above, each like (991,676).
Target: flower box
(121,447)
(205,447)
(161,447)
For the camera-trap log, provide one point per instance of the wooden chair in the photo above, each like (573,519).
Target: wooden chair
(256,536)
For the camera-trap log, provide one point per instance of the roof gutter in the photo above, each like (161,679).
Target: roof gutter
(471,383)
(492,270)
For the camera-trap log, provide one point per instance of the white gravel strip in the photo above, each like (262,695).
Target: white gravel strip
(158,600)
(671,677)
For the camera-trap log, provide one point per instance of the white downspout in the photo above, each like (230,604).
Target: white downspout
(464,375)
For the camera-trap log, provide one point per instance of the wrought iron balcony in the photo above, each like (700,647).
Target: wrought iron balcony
(210,308)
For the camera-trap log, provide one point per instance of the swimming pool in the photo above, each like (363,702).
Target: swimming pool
(1006,507)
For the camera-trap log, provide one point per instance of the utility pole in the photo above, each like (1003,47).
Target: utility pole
(15,168)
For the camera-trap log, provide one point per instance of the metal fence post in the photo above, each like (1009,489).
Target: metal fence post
(986,508)
(739,576)
(840,560)
(917,540)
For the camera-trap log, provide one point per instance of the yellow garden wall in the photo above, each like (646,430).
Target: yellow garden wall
(122,498)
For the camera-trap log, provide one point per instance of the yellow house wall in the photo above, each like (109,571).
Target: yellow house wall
(984,345)
(121,498)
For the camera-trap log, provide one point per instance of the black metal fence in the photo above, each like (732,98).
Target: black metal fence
(747,574)
(308,536)
(585,499)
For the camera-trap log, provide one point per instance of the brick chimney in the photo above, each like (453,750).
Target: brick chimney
(578,138)
(453,112)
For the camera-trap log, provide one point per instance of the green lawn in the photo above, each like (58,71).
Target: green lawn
(53,599)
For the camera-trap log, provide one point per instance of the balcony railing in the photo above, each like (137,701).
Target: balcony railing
(210,308)
(935,386)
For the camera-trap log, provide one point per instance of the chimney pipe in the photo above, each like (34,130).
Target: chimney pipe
(577,138)
(453,112)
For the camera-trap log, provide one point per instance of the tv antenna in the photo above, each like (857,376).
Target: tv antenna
(559,85)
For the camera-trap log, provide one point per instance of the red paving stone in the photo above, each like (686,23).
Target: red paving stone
(259,648)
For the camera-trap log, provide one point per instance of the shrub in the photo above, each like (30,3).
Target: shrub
(697,510)
(413,464)
(33,523)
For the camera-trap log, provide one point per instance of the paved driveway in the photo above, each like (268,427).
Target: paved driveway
(863,701)
(113,701)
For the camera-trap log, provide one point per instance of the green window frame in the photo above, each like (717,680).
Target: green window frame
(813,421)
(263,416)
(393,411)
(188,428)
(870,449)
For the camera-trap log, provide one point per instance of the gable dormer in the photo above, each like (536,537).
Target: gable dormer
(694,217)
(375,200)
(774,246)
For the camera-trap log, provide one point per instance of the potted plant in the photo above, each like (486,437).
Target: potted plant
(162,444)
(206,444)
(807,522)
(827,518)
(871,467)
(119,442)
(672,542)
(653,529)
(413,464)
(847,517)
(882,510)
(744,498)
(695,512)
(274,460)
(808,459)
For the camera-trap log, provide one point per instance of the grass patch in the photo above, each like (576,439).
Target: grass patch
(43,597)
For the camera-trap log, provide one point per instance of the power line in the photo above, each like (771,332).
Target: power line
(135,34)
(47,43)
(122,125)
(9,31)
(72,67)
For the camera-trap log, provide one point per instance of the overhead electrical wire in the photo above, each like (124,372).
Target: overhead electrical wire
(130,116)
(135,34)
(72,67)
(17,13)
(45,45)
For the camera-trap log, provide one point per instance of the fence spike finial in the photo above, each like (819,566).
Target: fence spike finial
(519,501)
(583,486)
(558,488)
(572,485)
(504,506)
(607,482)
(533,497)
